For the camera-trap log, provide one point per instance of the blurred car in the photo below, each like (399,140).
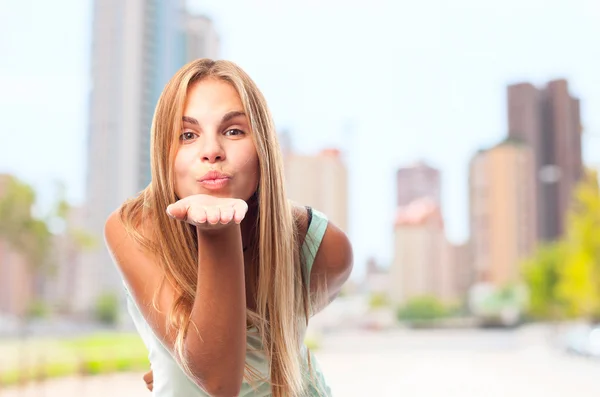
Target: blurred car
(583,340)
(497,307)
(594,342)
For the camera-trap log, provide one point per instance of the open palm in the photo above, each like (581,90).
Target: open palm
(208,212)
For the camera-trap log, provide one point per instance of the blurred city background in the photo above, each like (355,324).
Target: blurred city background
(457,143)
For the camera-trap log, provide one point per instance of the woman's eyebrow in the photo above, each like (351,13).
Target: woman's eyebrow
(190,120)
(227,117)
(231,115)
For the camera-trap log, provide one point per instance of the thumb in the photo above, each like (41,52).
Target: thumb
(179,209)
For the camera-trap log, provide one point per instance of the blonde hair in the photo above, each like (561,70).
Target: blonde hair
(282,293)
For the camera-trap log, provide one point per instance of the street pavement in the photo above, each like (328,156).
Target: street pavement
(445,363)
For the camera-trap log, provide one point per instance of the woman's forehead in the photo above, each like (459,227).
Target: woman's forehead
(210,99)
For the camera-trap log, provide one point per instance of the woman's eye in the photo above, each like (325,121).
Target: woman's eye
(186,136)
(234,132)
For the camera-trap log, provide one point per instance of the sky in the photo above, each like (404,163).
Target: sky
(388,82)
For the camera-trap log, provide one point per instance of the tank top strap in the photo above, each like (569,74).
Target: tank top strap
(314,235)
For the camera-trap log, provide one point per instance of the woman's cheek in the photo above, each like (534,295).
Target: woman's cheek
(181,171)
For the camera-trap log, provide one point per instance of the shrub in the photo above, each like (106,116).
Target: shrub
(107,309)
(378,300)
(423,308)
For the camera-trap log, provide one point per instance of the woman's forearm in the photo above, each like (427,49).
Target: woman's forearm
(216,352)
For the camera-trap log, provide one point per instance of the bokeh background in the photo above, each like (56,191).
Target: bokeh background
(456,142)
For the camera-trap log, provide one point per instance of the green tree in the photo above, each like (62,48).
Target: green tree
(579,281)
(25,234)
(81,239)
(31,237)
(541,274)
(19,228)
(563,277)
(71,239)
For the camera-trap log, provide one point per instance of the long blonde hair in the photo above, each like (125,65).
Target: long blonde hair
(282,296)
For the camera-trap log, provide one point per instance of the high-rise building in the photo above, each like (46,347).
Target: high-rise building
(57,285)
(455,272)
(16,281)
(417,181)
(462,276)
(137,47)
(376,279)
(424,261)
(502,211)
(548,120)
(201,38)
(419,247)
(321,182)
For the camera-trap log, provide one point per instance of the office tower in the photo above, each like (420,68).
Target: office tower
(69,246)
(201,38)
(320,181)
(502,211)
(419,245)
(417,181)
(548,120)
(138,45)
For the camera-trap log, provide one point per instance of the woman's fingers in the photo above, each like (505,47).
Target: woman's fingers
(213,215)
(226,214)
(179,210)
(149,379)
(205,210)
(240,208)
(197,215)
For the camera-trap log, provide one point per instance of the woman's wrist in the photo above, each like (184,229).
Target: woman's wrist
(224,237)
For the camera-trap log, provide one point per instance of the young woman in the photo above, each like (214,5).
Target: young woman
(222,273)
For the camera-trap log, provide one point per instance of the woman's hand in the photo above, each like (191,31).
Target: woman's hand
(149,379)
(208,212)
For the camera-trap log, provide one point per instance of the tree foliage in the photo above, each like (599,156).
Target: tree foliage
(564,277)
(31,235)
(107,309)
(541,274)
(579,277)
(25,233)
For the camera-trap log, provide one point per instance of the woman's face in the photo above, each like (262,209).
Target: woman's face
(216,154)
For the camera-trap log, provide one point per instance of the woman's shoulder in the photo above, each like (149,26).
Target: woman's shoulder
(308,217)
(130,218)
(308,221)
(127,230)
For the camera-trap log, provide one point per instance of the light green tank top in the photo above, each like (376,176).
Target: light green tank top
(171,381)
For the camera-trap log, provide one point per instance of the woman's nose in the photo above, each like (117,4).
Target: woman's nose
(212,150)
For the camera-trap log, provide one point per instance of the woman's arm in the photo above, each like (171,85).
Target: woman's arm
(332,266)
(333,262)
(217,352)
(215,344)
